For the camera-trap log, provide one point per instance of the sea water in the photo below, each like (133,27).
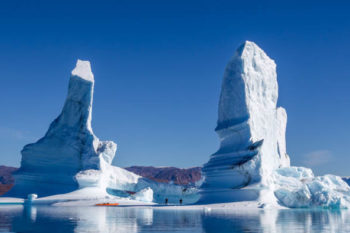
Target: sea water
(146,219)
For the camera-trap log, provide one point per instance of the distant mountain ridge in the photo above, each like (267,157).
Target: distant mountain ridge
(182,176)
(6,178)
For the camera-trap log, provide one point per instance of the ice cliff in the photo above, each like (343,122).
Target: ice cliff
(69,146)
(252,163)
(250,127)
(70,156)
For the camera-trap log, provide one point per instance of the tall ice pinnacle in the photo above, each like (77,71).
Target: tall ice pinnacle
(250,127)
(70,157)
(49,166)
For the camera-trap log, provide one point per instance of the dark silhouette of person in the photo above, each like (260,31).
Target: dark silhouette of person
(166,200)
(181,201)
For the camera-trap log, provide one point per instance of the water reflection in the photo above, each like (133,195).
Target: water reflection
(295,221)
(145,219)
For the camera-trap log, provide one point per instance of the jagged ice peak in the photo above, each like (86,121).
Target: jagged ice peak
(83,70)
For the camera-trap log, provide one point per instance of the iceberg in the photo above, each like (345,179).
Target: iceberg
(297,187)
(250,127)
(71,164)
(49,166)
(252,163)
(70,157)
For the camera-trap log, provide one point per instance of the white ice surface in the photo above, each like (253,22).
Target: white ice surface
(251,163)
(144,195)
(70,158)
(83,70)
(81,197)
(11,200)
(298,187)
(49,166)
(251,130)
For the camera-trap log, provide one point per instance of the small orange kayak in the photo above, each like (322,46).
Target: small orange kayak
(107,204)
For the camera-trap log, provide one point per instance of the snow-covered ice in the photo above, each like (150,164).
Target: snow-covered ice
(48,166)
(70,157)
(252,163)
(298,187)
(251,169)
(145,195)
(250,127)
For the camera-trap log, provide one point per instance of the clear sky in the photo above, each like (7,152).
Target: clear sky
(158,68)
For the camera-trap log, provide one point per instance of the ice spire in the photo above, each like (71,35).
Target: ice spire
(250,127)
(49,166)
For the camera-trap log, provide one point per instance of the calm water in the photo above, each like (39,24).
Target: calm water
(112,219)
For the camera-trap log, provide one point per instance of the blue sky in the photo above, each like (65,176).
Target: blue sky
(158,67)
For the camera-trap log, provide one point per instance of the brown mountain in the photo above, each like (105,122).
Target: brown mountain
(6,178)
(183,176)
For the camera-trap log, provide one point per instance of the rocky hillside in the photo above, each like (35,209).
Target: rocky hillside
(6,178)
(168,174)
